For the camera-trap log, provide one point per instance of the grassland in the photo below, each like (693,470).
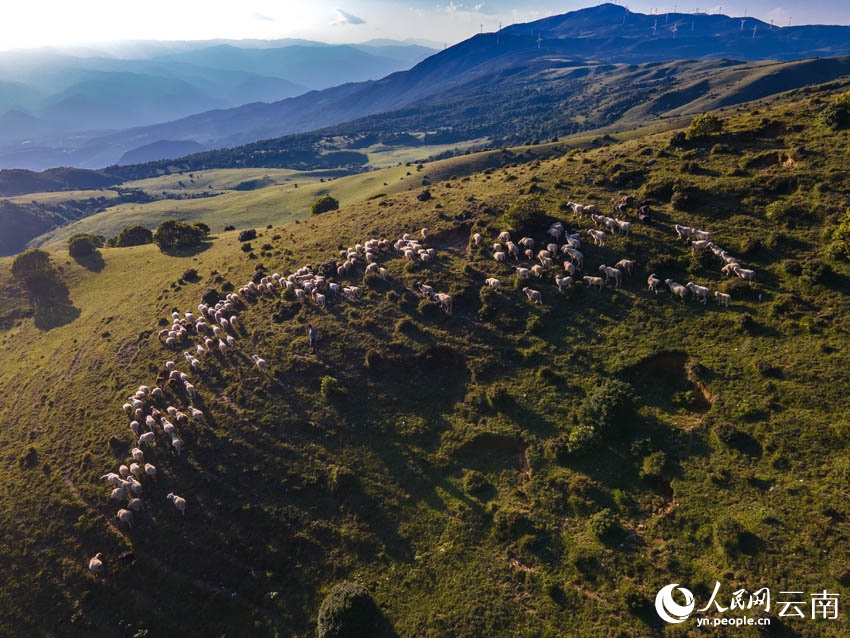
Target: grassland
(440,475)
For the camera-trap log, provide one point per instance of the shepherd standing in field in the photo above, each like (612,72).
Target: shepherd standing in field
(311,333)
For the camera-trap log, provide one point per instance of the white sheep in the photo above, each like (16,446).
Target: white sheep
(729,269)
(598,236)
(134,426)
(599,282)
(683,232)
(523,273)
(476,239)
(537,270)
(677,288)
(654,283)
(500,257)
(135,504)
(723,298)
(148,438)
(563,282)
(150,471)
(136,470)
(382,272)
(570,268)
(128,408)
(137,455)
(504,236)
(261,363)
(126,517)
(627,265)
(118,493)
(197,415)
(445,301)
(493,282)
(700,292)
(745,273)
(124,471)
(134,486)
(527,243)
(700,244)
(623,226)
(95,563)
(612,273)
(534,296)
(176,443)
(179,502)
(701,234)
(576,257)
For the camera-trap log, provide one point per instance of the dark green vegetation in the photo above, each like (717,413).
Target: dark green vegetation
(172,234)
(431,457)
(324,204)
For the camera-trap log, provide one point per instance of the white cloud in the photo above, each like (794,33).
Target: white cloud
(779,16)
(346,18)
(262,17)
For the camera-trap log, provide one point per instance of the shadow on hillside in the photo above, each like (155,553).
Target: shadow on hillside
(93,262)
(187,251)
(52,304)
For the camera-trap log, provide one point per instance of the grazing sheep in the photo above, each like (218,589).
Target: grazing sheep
(445,301)
(533,295)
(537,270)
(577,209)
(493,282)
(744,273)
(197,415)
(128,408)
(729,269)
(137,455)
(570,268)
(523,273)
(500,257)
(179,502)
(95,563)
(612,273)
(623,226)
(701,234)
(476,239)
(134,486)
(700,292)
(677,288)
(723,298)
(124,471)
(626,265)
(512,250)
(148,438)
(654,283)
(136,470)
(118,493)
(134,426)
(261,363)
(382,272)
(563,282)
(683,232)
(575,256)
(176,443)
(126,517)
(135,504)
(598,236)
(504,236)
(599,282)
(321,300)
(527,243)
(150,471)
(700,244)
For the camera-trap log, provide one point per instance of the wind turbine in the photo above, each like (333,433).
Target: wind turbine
(539,40)
(674,30)
(655,26)
(743,20)
(754,30)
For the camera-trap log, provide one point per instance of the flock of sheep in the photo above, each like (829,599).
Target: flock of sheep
(505,249)
(212,331)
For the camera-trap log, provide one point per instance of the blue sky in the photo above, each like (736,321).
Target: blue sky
(35,23)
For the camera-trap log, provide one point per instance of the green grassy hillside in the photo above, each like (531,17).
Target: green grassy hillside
(482,473)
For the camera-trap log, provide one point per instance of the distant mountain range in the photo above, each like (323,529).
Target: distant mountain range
(447,90)
(52,104)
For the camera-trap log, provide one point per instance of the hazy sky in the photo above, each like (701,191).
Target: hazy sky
(34,23)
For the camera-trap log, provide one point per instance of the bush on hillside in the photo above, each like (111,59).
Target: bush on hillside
(83,244)
(174,234)
(34,270)
(837,114)
(324,204)
(247,234)
(704,125)
(525,215)
(348,611)
(132,236)
(610,410)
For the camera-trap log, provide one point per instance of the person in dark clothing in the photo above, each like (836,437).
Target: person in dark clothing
(311,333)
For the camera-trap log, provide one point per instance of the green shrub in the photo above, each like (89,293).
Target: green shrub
(727,536)
(331,389)
(653,465)
(704,125)
(348,611)
(324,204)
(82,244)
(175,234)
(525,215)
(609,410)
(132,236)
(603,523)
(837,114)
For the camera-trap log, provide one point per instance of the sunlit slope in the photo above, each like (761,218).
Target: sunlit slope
(441,469)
